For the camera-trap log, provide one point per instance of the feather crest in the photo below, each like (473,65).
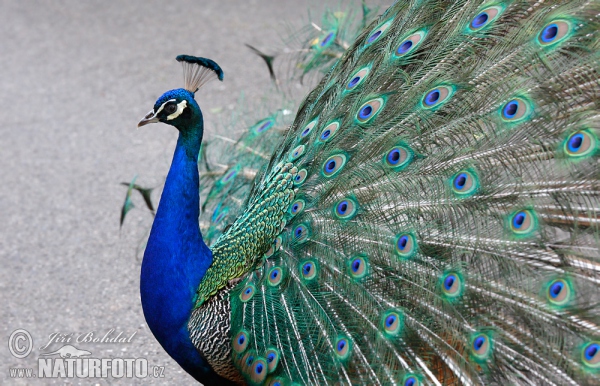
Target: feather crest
(198,71)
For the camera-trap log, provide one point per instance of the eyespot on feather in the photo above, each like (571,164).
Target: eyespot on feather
(554,32)
(392,322)
(523,222)
(263,125)
(308,128)
(580,144)
(406,245)
(272,357)
(342,348)
(516,110)
(378,32)
(398,157)
(259,370)
(247,361)
(345,209)
(275,247)
(410,43)
(369,110)
(356,79)
(559,292)
(465,183)
(481,346)
(329,131)
(296,153)
(240,341)
(300,177)
(308,269)
(590,355)
(452,285)
(300,233)
(247,292)
(326,40)
(484,18)
(277,382)
(275,276)
(333,165)
(230,175)
(411,380)
(219,214)
(358,266)
(436,97)
(297,207)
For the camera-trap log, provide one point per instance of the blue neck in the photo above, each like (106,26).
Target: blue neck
(176,258)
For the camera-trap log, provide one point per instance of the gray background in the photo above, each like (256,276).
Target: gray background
(75,79)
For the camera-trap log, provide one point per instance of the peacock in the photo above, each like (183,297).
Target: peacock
(430,217)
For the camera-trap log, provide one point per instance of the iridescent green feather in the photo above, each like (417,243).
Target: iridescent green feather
(473,255)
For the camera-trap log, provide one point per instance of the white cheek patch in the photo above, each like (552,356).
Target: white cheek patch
(180,107)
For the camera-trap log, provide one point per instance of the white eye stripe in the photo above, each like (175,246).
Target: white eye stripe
(163,106)
(180,107)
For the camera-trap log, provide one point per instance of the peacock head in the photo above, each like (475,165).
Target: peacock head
(175,107)
(178,107)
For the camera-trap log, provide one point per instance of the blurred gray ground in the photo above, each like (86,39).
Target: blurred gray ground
(75,79)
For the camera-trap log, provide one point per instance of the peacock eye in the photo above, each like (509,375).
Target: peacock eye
(410,43)
(465,183)
(330,37)
(308,128)
(300,233)
(171,108)
(272,359)
(591,355)
(484,18)
(580,144)
(523,222)
(275,276)
(378,32)
(263,125)
(297,153)
(406,245)
(329,131)
(300,177)
(411,381)
(554,32)
(398,157)
(342,348)
(559,292)
(452,285)
(392,321)
(309,270)
(357,78)
(240,341)
(247,293)
(333,165)
(358,267)
(368,110)
(345,209)
(296,207)
(515,110)
(449,282)
(481,347)
(437,96)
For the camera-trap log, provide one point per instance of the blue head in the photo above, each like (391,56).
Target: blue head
(178,107)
